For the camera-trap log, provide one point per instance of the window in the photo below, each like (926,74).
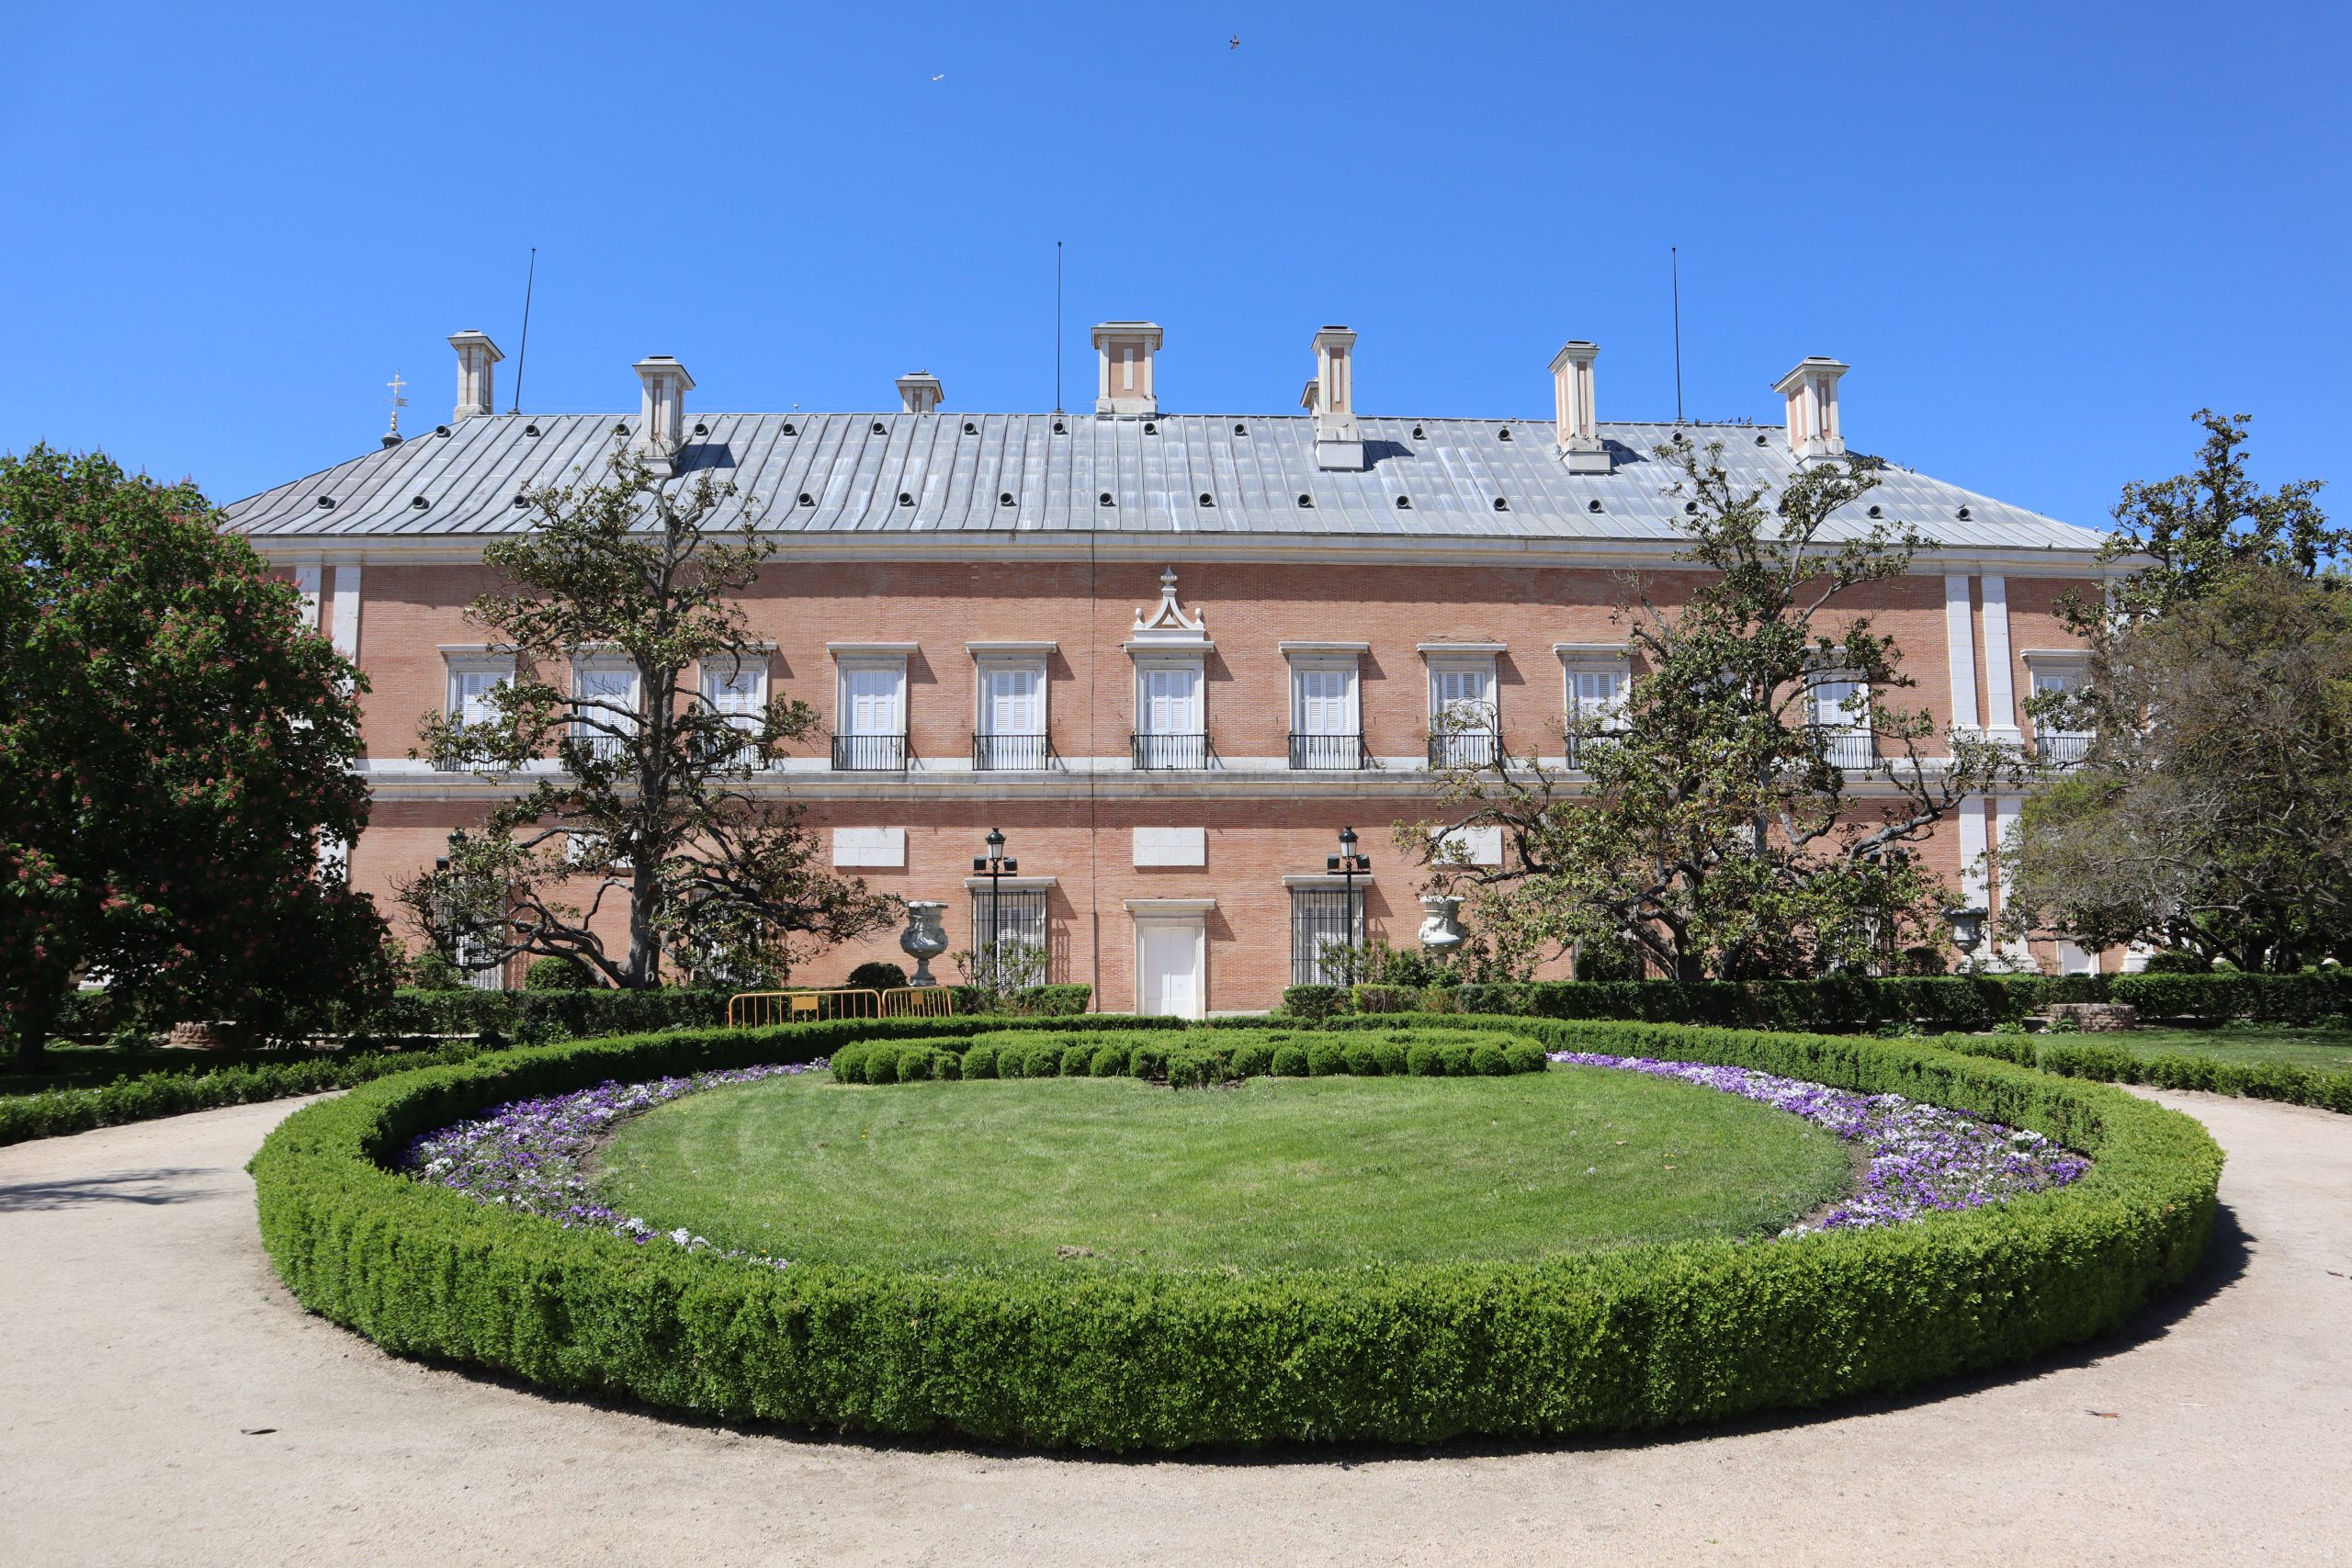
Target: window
(1326,932)
(1326,725)
(474,680)
(737,691)
(1840,712)
(605,693)
(1170,729)
(1012,731)
(2054,680)
(1463,727)
(870,731)
(1597,690)
(1010,939)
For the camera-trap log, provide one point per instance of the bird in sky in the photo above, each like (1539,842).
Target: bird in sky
(1233,43)
(941,77)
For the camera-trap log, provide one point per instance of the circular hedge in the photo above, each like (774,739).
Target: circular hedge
(1606,1341)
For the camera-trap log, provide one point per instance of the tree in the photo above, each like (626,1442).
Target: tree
(1715,831)
(174,752)
(646,808)
(2212,811)
(2185,535)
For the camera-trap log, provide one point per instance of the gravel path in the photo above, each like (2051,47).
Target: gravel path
(163,1401)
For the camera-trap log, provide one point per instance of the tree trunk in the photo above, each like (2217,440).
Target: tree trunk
(32,1036)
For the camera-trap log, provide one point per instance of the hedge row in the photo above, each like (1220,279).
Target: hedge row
(1621,1339)
(582,1014)
(1226,1057)
(55,1111)
(1958,1001)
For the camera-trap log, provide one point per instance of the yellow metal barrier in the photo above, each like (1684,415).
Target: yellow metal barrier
(929,1001)
(760,1009)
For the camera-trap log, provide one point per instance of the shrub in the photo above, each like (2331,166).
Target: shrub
(979,1062)
(1489,1061)
(1314,1003)
(1384,999)
(433,972)
(1252,1058)
(877,975)
(1621,1339)
(556,975)
(2177,961)
(1363,1060)
(1289,1062)
(1110,1061)
(1325,1058)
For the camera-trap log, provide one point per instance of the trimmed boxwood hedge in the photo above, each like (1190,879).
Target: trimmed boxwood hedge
(1615,1341)
(1196,1058)
(1955,1001)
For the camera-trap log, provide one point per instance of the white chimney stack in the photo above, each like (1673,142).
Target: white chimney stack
(1573,408)
(1127,386)
(663,409)
(1812,392)
(476,354)
(920,392)
(1333,398)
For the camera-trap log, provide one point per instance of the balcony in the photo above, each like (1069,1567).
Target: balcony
(1851,749)
(1464,748)
(1002,754)
(1168,752)
(2060,748)
(1581,748)
(869,754)
(1328,754)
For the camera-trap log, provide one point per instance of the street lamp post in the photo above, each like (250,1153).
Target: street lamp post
(995,865)
(1349,866)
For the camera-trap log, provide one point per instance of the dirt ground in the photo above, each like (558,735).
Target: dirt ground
(164,1402)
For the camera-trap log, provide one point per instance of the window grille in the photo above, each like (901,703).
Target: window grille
(1324,923)
(1012,941)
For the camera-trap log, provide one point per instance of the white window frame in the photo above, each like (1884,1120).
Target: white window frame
(844,700)
(1577,663)
(1480,662)
(989,665)
(462,664)
(1837,720)
(588,665)
(721,673)
(2073,666)
(1304,665)
(1196,666)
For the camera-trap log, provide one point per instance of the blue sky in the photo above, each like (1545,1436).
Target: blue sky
(2042,235)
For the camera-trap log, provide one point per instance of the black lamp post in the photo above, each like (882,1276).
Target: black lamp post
(995,865)
(1349,866)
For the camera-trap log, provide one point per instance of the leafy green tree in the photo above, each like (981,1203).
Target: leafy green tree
(646,809)
(2185,535)
(1715,830)
(2212,811)
(174,752)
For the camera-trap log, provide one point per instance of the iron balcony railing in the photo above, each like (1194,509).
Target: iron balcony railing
(997,752)
(1169,751)
(1341,753)
(1848,748)
(869,754)
(1582,747)
(2063,747)
(1464,748)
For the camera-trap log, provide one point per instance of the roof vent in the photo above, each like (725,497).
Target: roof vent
(661,410)
(1207,500)
(1417,434)
(1812,392)
(1239,428)
(878,428)
(1149,428)
(521,500)
(1593,505)
(1759,441)
(1875,512)
(905,499)
(790,429)
(1127,383)
(1059,429)
(807,500)
(1690,508)
(1004,498)
(701,429)
(476,354)
(533,430)
(1303,499)
(1404,504)
(1963,514)
(970,429)
(1338,444)
(326,504)
(620,428)
(1504,433)
(1572,409)
(1502,503)
(920,392)
(419,503)
(440,430)
(1104,499)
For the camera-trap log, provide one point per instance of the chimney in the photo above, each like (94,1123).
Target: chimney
(662,410)
(1127,387)
(1572,409)
(1812,392)
(920,392)
(1332,397)
(476,354)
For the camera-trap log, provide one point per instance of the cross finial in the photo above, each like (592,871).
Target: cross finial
(397,401)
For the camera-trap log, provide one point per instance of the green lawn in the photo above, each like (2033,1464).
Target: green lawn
(1276,1173)
(2328,1050)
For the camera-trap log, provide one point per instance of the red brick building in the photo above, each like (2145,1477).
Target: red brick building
(1169,655)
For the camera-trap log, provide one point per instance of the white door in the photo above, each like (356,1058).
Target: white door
(1168,958)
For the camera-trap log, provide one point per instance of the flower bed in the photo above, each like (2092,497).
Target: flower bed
(1918,1159)
(1626,1340)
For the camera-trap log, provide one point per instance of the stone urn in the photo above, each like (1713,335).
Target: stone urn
(924,938)
(1440,923)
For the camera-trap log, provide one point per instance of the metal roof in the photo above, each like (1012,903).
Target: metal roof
(915,475)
